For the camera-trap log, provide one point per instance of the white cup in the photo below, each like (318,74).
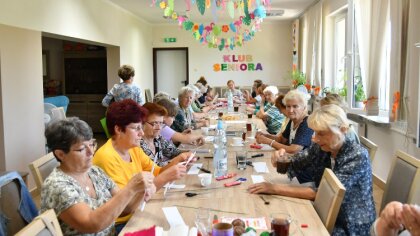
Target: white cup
(205,131)
(237,141)
(205,179)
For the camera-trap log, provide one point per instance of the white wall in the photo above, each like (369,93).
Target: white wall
(272,47)
(21,96)
(21,69)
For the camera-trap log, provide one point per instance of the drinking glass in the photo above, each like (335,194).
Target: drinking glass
(202,221)
(280,223)
(241,159)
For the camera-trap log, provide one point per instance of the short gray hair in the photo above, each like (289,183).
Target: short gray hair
(161,95)
(328,117)
(184,91)
(61,134)
(273,89)
(295,95)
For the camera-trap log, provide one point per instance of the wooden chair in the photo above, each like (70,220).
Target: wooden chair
(370,146)
(148,95)
(45,224)
(403,180)
(42,167)
(328,199)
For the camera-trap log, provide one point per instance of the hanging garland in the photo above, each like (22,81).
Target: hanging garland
(225,36)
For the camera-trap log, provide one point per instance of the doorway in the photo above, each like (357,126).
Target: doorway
(170,70)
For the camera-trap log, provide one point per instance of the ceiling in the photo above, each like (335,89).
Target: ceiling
(154,15)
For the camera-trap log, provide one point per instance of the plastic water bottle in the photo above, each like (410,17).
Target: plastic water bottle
(230,100)
(220,152)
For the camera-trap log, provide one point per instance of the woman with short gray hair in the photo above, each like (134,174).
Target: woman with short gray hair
(297,135)
(85,199)
(184,119)
(348,160)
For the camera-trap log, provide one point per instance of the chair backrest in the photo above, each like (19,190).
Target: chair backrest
(10,203)
(148,95)
(45,224)
(103,124)
(370,146)
(403,180)
(58,101)
(43,167)
(58,114)
(328,199)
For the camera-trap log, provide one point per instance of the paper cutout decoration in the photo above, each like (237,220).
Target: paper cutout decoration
(226,36)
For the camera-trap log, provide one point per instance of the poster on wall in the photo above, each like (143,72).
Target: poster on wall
(295,42)
(234,62)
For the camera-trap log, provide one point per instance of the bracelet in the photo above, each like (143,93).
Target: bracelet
(271,144)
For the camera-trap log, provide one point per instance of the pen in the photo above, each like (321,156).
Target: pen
(204,170)
(249,163)
(257,155)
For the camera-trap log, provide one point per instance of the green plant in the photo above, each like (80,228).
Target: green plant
(359,93)
(298,78)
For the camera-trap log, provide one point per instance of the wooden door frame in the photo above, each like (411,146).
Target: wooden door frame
(155,50)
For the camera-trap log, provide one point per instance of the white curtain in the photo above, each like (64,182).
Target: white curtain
(312,41)
(371,20)
(399,15)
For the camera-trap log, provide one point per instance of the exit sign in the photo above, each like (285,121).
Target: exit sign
(169,40)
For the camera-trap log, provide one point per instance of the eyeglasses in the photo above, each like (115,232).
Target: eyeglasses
(156,124)
(137,128)
(92,145)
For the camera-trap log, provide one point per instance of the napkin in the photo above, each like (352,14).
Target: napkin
(260,167)
(194,169)
(256,179)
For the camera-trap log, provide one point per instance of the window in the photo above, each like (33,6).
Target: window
(340,73)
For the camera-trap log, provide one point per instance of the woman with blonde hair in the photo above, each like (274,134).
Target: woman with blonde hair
(348,160)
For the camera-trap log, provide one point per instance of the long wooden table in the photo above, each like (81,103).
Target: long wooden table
(233,201)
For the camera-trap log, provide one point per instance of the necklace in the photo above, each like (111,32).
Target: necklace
(86,183)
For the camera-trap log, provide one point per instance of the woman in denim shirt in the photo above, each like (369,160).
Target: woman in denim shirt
(349,161)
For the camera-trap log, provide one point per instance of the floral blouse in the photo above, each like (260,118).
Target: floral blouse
(352,167)
(123,91)
(183,120)
(61,191)
(167,150)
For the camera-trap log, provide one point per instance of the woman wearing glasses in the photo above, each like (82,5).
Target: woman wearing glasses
(153,144)
(85,199)
(121,157)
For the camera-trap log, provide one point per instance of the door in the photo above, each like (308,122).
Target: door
(170,70)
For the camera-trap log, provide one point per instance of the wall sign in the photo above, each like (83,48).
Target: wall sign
(237,63)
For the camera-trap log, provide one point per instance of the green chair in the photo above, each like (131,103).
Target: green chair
(103,123)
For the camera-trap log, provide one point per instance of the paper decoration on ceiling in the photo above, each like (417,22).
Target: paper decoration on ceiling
(250,15)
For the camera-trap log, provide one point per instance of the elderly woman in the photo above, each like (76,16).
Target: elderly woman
(121,157)
(184,119)
(153,144)
(171,135)
(85,199)
(282,108)
(236,93)
(124,90)
(271,116)
(349,161)
(297,135)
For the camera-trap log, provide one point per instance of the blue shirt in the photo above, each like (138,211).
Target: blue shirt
(352,168)
(303,136)
(123,91)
